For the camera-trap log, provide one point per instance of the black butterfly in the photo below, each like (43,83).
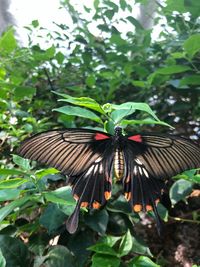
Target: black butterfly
(88,158)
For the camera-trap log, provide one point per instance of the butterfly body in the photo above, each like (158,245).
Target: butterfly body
(90,159)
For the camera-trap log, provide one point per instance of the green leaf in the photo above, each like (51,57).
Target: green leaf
(98,221)
(14,251)
(118,115)
(8,42)
(179,190)
(24,91)
(11,172)
(101,260)
(134,22)
(80,112)
(192,45)
(35,23)
(128,106)
(52,218)
(123,4)
(2,260)
(146,121)
(90,80)
(59,256)
(190,80)
(21,162)
(5,211)
(102,248)
(140,247)
(82,101)
(60,196)
(142,261)
(12,183)
(172,69)
(125,244)
(9,194)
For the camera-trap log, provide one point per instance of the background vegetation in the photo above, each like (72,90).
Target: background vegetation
(114,67)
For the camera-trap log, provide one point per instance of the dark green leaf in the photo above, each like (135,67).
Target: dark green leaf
(98,221)
(2,260)
(179,190)
(14,252)
(190,80)
(59,256)
(52,218)
(173,69)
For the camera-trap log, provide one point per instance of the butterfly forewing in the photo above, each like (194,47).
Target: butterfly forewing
(166,156)
(70,151)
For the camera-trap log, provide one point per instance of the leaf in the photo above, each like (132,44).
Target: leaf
(24,91)
(98,221)
(100,260)
(192,45)
(38,242)
(179,190)
(190,80)
(5,211)
(134,22)
(9,194)
(90,80)
(172,69)
(81,112)
(140,247)
(8,42)
(102,248)
(135,106)
(14,252)
(21,162)
(11,172)
(82,101)
(52,218)
(60,196)
(118,115)
(59,256)
(146,121)
(125,244)
(2,260)
(142,261)
(12,183)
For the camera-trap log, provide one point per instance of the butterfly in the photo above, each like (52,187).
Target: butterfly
(90,159)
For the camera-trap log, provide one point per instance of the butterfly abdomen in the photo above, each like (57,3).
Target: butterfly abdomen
(119,164)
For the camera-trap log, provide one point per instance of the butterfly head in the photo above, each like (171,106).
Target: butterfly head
(118,131)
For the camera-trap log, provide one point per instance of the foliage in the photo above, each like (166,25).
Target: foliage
(114,78)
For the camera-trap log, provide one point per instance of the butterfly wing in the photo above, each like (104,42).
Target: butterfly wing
(71,151)
(86,156)
(149,159)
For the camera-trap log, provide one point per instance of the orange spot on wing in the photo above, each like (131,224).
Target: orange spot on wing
(107,195)
(137,208)
(127,195)
(148,208)
(84,204)
(96,205)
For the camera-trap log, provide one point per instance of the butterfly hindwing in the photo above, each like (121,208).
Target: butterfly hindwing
(91,189)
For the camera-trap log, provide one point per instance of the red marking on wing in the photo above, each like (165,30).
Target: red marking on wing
(136,138)
(100,136)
